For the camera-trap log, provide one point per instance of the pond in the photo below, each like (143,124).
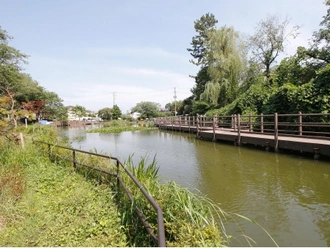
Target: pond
(287,195)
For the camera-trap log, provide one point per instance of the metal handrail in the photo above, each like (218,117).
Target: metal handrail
(160,240)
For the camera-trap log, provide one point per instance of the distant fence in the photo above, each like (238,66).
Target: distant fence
(120,167)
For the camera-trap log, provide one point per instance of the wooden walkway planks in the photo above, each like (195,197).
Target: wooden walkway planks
(301,144)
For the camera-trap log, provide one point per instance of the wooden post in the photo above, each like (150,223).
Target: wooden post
(214,121)
(172,123)
(300,123)
(235,124)
(180,122)
(194,121)
(276,132)
(197,117)
(239,129)
(22,140)
(189,122)
(74,159)
(117,175)
(261,122)
(250,123)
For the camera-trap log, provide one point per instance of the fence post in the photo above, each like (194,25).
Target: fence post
(180,122)
(239,129)
(250,123)
(235,123)
(189,122)
(117,163)
(74,159)
(276,132)
(214,122)
(194,121)
(300,123)
(197,117)
(261,122)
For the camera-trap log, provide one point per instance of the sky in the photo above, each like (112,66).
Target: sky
(96,53)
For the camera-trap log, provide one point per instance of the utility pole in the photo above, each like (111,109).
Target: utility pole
(174,101)
(114,99)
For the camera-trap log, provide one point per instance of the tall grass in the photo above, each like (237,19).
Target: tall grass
(189,219)
(44,204)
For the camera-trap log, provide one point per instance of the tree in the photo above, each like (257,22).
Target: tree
(320,48)
(79,111)
(147,109)
(116,112)
(269,40)
(10,61)
(199,49)
(174,107)
(227,62)
(201,79)
(105,113)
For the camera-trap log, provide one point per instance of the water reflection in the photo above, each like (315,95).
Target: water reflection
(287,195)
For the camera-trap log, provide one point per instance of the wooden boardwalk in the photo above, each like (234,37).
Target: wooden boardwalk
(238,136)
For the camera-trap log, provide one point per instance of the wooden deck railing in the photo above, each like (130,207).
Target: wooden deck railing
(312,125)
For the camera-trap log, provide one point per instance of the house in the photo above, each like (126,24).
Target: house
(135,115)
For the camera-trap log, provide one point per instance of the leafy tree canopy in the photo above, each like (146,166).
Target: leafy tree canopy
(147,109)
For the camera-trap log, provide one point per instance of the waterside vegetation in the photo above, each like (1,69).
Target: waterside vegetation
(45,203)
(117,126)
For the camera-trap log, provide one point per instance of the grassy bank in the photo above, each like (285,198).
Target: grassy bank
(44,204)
(47,204)
(118,126)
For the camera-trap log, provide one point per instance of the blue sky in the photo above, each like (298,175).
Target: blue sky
(86,50)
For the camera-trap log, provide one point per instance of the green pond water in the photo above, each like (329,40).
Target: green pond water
(288,195)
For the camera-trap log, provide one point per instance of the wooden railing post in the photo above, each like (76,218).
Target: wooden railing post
(235,122)
(250,123)
(261,122)
(180,122)
(118,183)
(276,132)
(197,131)
(189,122)
(214,123)
(239,129)
(300,123)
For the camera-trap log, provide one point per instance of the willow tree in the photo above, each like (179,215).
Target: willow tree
(227,63)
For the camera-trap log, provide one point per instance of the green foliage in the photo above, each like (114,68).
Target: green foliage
(250,102)
(79,111)
(199,51)
(147,109)
(296,70)
(105,113)
(199,108)
(44,204)
(117,126)
(116,112)
(320,48)
(189,219)
(227,63)
(174,107)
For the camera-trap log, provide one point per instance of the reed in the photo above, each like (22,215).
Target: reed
(189,219)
